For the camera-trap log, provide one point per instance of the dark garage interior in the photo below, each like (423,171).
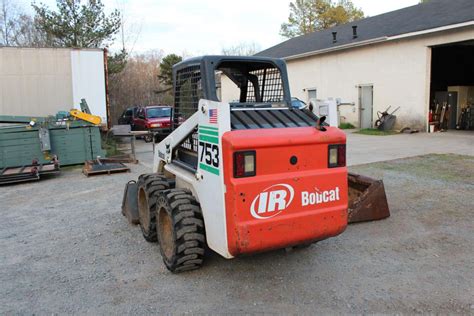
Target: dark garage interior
(452,87)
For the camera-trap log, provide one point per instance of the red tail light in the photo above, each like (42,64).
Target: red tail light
(336,156)
(244,164)
(341,155)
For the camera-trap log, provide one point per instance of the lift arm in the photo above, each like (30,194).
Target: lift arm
(165,148)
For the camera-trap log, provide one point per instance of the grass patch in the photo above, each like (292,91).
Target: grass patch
(346,126)
(375,132)
(441,167)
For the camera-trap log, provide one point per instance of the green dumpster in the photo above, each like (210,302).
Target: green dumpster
(73,142)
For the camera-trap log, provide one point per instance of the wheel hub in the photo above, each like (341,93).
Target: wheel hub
(166,233)
(143,209)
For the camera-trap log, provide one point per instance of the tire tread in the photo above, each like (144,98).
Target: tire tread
(152,183)
(188,229)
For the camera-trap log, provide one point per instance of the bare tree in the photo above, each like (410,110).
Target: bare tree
(129,30)
(18,28)
(8,15)
(242,49)
(27,34)
(137,83)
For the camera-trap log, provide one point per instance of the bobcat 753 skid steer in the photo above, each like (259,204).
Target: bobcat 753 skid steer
(248,175)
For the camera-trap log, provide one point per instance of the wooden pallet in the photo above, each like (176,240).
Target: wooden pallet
(103,166)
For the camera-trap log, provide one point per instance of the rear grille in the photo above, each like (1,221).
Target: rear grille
(271,118)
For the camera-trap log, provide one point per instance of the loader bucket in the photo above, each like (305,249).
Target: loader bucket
(130,202)
(367,199)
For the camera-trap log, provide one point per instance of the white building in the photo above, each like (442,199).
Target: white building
(43,81)
(400,59)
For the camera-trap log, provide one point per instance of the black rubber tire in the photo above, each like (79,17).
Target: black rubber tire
(148,138)
(180,229)
(149,186)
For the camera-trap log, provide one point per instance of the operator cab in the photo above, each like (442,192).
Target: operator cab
(243,82)
(256,89)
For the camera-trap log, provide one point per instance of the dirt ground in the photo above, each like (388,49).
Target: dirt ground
(65,248)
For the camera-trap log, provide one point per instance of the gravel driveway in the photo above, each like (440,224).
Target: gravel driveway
(65,248)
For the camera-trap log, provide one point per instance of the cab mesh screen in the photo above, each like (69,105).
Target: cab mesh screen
(188,92)
(269,85)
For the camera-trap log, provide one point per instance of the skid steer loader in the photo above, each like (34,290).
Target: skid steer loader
(244,172)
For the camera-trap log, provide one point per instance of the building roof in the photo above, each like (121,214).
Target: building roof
(431,15)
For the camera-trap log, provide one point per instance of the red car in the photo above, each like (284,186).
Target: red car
(155,119)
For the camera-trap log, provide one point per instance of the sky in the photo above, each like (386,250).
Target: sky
(198,27)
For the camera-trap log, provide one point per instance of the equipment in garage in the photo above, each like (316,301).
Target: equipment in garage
(467,118)
(246,176)
(446,110)
(465,102)
(449,112)
(452,86)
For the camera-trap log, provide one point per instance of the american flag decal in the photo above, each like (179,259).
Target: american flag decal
(213,116)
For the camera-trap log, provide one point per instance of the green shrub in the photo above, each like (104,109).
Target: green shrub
(346,126)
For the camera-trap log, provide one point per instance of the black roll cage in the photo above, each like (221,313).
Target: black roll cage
(237,69)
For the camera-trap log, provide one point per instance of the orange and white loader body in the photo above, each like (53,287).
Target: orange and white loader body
(260,189)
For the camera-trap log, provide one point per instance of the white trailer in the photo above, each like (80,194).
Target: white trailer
(43,81)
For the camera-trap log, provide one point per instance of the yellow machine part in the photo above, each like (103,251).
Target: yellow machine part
(94,119)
